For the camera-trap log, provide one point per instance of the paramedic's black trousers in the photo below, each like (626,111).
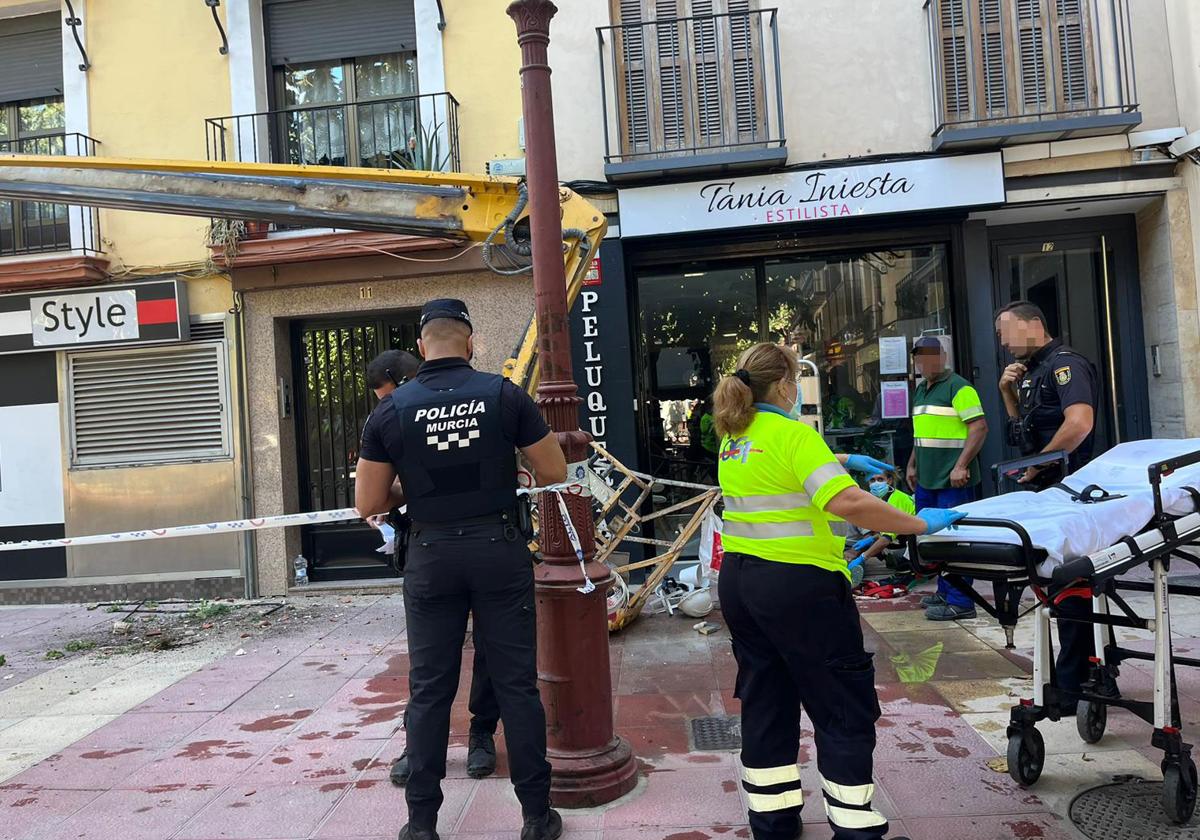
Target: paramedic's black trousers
(798,643)
(483,568)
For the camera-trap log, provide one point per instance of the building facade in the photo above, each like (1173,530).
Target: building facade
(248,396)
(851,176)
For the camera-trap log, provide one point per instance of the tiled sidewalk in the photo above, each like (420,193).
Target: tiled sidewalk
(297,743)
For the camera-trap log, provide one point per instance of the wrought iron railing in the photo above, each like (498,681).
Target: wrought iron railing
(691,85)
(36,227)
(406,132)
(999,62)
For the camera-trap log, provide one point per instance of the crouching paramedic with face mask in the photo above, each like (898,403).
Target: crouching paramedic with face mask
(785,592)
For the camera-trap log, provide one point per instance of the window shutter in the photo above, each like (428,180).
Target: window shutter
(301,31)
(672,62)
(31,58)
(632,51)
(148,406)
(744,40)
(956,73)
(708,79)
(1073,63)
(1031,52)
(991,51)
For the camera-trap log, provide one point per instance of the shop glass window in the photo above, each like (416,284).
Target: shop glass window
(833,309)
(356,112)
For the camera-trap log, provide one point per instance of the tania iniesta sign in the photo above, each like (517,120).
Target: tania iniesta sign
(814,195)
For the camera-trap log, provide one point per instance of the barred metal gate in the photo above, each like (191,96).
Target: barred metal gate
(332,404)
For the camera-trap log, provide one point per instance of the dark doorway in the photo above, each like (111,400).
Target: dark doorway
(1072,279)
(332,404)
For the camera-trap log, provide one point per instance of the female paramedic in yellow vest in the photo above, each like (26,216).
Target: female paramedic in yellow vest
(785,593)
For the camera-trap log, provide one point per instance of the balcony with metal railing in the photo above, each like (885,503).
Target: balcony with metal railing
(1025,71)
(692,95)
(404,132)
(37,227)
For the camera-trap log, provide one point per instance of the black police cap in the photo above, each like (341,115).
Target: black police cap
(445,308)
(927,342)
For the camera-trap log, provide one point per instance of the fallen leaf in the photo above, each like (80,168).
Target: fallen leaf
(999,764)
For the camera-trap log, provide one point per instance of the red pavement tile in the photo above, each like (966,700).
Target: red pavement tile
(255,725)
(384,665)
(899,738)
(638,710)
(303,667)
(297,693)
(85,769)
(370,807)
(30,813)
(146,729)
(680,798)
(369,694)
(1008,827)
(494,805)
(656,741)
(319,762)
(209,762)
(252,811)
(131,815)
(940,787)
(699,832)
(198,693)
(912,699)
(688,651)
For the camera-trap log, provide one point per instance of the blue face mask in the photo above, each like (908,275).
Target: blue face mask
(880,488)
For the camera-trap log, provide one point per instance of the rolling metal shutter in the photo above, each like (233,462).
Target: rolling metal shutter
(148,406)
(30,57)
(300,31)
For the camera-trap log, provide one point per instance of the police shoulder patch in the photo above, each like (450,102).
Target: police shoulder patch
(1062,375)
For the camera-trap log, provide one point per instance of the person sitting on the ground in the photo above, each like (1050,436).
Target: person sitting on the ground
(883,486)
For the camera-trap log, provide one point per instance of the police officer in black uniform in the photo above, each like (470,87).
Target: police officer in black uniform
(451,436)
(385,373)
(1051,393)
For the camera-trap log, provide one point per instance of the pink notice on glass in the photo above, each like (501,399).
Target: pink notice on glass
(894,400)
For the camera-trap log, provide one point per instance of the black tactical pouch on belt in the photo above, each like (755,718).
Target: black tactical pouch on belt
(403,526)
(525,516)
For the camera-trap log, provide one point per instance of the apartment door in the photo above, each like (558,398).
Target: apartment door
(332,404)
(1071,279)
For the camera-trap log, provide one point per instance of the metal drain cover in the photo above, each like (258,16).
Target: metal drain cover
(1128,810)
(719,732)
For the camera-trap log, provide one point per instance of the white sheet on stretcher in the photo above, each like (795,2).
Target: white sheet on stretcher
(1065,528)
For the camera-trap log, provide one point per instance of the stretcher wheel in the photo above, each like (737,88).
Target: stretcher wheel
(1026,757)
(1179,792)
(1091,718)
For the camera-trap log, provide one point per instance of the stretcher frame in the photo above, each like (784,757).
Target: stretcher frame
(1097,575)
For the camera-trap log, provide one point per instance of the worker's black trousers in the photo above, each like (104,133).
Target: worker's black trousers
(798,643)
(485,711)
(484,568)
(1076,645)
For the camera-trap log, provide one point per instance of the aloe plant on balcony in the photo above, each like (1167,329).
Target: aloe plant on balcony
(424,152)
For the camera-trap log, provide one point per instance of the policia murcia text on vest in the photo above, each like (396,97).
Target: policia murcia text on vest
(445,443)
(785,593)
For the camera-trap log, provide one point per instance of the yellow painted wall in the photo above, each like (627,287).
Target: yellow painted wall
(156,75)
(482,59)
(209,295)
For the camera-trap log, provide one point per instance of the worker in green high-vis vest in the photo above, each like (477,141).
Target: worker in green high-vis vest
(948,431)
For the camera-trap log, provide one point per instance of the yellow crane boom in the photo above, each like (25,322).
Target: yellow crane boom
(449,205)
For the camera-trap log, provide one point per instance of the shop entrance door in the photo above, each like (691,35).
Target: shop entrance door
(332,404)
(1070,279)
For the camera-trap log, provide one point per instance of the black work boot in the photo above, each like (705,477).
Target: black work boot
(547,826)
(412,832)
(481,755)
(400,770)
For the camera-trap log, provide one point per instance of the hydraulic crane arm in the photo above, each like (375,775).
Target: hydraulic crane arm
(466,208)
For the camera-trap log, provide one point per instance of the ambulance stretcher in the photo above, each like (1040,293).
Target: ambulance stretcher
(1137,506)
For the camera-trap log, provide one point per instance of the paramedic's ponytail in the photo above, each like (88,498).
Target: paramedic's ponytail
(758,370)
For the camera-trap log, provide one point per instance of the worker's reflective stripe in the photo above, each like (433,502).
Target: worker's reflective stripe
(848,794)
(971,413)
(767,776)
(818,477)
(762,504)
(944,410)
(941,443)
(764,802)
(767,530)
(938,426)
(851,818)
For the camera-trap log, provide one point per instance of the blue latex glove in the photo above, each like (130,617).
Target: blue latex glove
(857,561)
(863,544)
(868,465)
(938,519)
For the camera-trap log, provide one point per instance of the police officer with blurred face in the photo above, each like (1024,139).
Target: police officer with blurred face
(1051,393)
(385,373)
(450,435)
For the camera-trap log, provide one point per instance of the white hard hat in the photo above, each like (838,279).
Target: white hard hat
(696,604)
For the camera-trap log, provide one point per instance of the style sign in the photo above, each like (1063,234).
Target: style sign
(814,195)
(84,318)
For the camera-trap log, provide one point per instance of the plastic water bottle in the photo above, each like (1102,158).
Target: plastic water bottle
(301,566)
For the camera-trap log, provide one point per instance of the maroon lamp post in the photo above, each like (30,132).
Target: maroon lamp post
(591,765)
